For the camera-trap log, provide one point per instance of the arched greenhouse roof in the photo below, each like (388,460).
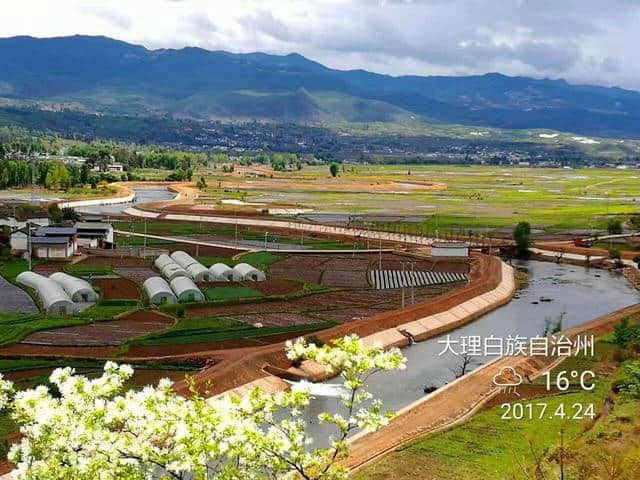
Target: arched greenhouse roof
(245,272)
(53,297)
(78,289)
(186,290)
(183,259)
(221,272)
(162,261)
(158,291)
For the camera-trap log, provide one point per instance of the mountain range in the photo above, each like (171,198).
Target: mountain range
(101,74)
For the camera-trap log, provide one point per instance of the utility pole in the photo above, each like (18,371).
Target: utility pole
(29,247)
(144,248)
(402,283)
(380,259)
(266,236)
(413,296)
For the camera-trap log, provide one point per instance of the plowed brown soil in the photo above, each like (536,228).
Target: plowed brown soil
(117,288)
(109,333)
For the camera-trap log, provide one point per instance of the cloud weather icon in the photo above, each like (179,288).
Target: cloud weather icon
(507,377)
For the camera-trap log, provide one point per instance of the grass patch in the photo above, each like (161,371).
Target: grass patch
(230,293)
(84,270)
(261,260)
(14,327)
(11,268)
(106,311)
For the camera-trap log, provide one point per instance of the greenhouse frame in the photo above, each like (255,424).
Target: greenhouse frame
(186,290)
(78,289)
(53,297)
(159,291)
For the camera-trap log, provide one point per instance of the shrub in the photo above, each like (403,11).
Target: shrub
(614,226)
(522,236)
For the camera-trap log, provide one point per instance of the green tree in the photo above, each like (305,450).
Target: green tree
(202,183)
(57,177)
(614,226)
(522,236)
(333,168)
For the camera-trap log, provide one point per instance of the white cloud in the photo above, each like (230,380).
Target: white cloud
(581,40)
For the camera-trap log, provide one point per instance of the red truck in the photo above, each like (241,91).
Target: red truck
(581,242)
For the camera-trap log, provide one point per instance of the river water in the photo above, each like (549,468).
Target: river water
(143,195)
(579,294)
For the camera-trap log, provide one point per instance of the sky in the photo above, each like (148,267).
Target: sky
(583,41)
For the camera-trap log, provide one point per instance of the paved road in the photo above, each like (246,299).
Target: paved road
(14,299)
(247,248)
(300,226)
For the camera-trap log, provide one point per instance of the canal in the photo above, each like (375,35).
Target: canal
(575,293)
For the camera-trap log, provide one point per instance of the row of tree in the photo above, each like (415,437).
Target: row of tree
(54,175)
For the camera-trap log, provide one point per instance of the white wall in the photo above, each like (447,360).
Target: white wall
(19,241)
(449,252)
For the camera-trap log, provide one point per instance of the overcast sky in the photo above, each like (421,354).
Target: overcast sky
(586,41)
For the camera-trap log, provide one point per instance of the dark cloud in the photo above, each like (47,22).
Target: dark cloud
(576,39)
(586,41)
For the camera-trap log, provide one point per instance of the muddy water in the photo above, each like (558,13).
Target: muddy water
(577,293)
(143,195)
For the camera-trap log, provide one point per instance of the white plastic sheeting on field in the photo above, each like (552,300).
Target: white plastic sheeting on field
(159,291)
(243,272)
(186,290)
(221,273)
(53,297)
(78,289)
(384,279)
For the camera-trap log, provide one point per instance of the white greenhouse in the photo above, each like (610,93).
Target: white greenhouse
(183,259)
(174,270)
(199,273)
(162,261)
(221,273)
(158,291)
(54,299)
(243,272)
(186,290)
(78,289)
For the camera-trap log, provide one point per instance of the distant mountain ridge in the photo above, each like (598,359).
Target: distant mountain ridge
(107,75)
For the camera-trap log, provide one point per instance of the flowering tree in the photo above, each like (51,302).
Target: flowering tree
(93,429)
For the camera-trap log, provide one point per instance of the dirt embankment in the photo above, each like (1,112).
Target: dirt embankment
(237,367)
(568,247)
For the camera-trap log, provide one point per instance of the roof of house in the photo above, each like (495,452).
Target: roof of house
(93,226)
(92,218)
(44,231)
(49,240)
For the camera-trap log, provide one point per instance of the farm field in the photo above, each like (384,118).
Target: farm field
(484,199)
(106,333)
